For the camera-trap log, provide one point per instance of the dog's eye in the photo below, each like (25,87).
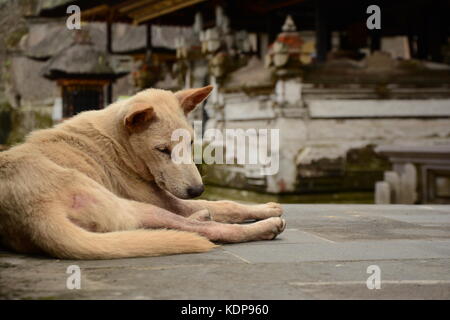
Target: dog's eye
(164,150)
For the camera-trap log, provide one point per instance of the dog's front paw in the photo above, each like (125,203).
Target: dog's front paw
(268,210)
(270,228)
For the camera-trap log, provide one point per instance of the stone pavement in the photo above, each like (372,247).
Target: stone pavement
(324,253)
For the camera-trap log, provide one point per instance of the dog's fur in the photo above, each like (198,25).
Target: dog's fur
(89,187)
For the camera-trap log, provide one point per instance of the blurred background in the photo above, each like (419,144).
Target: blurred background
(363,114)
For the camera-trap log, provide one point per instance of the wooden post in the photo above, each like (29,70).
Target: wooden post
(422,43)
(323,35)
(148,42)
(375,40)
(109,88)
(109,36)
(411,36)
(434,34)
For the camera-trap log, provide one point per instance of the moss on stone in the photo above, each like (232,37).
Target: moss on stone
(42,119)
(366,159)
(220,193)
(13,38)
(16,123)
(5,122)
(218,174)
(347,179)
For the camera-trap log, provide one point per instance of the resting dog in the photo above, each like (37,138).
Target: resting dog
(93,186)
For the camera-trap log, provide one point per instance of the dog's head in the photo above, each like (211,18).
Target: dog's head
(149,119)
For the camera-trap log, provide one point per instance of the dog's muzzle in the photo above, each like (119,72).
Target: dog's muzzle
(195,191)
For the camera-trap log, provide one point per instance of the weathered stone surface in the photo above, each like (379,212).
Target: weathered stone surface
(312,143)
(380,62)
(249,77)
(27,83)
(288,91)
(243,107)
(16,123)
(324,253)
(378,108)
(396,131)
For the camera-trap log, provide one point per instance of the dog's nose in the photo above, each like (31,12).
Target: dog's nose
(195,191)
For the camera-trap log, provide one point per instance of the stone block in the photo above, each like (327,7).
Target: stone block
(393,179)
(382,193)
(288,91)
(242,107)
(408,184)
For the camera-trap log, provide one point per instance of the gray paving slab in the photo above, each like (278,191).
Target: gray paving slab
(324,253)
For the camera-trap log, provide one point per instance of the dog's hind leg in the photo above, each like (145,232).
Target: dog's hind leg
(94,208)
(87,221)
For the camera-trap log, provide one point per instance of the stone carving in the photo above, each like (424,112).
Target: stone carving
(284,55)
(188,51)
(225,49)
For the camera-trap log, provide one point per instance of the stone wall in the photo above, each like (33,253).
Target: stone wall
(330,152)
(26,97)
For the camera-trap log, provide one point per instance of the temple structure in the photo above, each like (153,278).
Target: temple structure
(312,69)
(82,72)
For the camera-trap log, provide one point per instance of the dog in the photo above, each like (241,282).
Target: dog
(102,185)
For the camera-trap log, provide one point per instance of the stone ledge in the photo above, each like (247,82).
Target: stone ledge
(378,108)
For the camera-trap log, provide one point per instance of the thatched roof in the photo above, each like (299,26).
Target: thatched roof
(44,40)
(29,84)
(49,4)
(80,59)
(128,38)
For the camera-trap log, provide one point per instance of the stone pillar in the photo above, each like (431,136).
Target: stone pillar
(408,185)
(382,193)
(323,38)
(288,91)
(109,87)
(393,179)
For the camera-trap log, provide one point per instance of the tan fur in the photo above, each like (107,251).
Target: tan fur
(90,187)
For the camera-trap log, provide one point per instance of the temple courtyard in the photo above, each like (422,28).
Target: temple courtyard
(326,252)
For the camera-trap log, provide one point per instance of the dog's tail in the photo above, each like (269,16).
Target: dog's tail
(59,237)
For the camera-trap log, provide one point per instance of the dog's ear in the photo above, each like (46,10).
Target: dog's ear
(138,117)
(190,98)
